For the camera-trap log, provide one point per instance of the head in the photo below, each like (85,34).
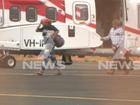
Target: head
(45,21)
(116,23)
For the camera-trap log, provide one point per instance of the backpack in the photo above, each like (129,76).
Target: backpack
(59,41)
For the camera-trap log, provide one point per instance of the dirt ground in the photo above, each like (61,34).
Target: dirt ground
(74,58)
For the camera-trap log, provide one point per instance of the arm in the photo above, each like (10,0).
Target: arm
(56,31)
(107,37)
(38,28)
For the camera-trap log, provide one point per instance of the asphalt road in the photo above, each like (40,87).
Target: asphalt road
(80,84)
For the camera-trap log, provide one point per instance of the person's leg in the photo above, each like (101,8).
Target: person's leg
(54,60)
(114,60)
(52,55)
(46,56)
(44,62)
(122,59)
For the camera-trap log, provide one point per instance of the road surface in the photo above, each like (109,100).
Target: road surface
(80,84)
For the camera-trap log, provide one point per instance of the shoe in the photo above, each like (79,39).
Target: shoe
(126,72)
(40,74)
(111,72)
(59,72)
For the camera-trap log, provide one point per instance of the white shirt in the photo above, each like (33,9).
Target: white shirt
(116,36)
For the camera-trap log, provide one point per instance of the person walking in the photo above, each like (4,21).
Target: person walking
(48,32)
(117,36)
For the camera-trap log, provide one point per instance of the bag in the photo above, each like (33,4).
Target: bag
(59,41)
